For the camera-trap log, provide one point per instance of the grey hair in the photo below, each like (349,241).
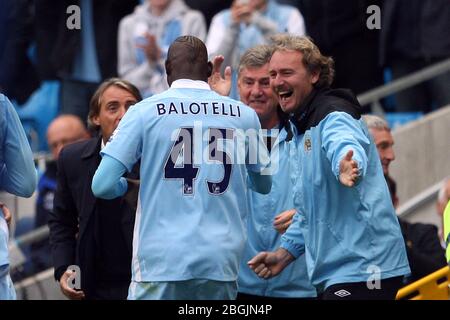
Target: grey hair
(375,122)
(255,57)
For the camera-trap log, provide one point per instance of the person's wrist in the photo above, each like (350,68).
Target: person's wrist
(284,256)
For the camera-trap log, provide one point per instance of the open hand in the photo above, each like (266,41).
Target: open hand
(348,170)
(67,290)
(221,85)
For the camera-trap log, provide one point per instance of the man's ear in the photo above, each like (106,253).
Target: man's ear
(210,68)
(95,120)
(315,77)
(168,66)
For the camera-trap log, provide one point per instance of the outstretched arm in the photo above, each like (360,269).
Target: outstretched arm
(345,144)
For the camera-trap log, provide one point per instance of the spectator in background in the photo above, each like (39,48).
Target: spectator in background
(423,246)
(83,57)
(413,37)
(340,31)
(63,130)
(92,233)
(246,24)
(381,133)
(145,36)
(17,176)
(425,253)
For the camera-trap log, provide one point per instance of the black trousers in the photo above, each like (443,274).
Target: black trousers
(245,296)
(360,291)
(113,290)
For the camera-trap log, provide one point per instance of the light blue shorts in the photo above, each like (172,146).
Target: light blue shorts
(197,289)
(7,291)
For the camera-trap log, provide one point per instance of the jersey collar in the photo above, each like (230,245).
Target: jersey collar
(190,84)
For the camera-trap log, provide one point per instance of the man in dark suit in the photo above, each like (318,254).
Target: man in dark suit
(95,235)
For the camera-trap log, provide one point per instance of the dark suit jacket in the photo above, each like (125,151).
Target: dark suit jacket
(425,253)
(71,223)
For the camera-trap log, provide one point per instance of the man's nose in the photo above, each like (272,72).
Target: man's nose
(391,154)
(256,90)
(122,111)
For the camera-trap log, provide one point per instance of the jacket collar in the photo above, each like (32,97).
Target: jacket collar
(92,148)
(300,116)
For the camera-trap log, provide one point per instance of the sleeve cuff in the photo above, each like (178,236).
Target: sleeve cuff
(294,249)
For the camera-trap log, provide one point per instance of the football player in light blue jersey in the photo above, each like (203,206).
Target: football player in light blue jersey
(190,227)
(17,176)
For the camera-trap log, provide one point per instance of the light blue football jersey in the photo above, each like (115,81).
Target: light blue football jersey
(193,193)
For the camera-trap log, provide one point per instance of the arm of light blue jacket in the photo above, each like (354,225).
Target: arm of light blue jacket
(108,182)
(292,240)
(341,133)
(18,174)
(258,162)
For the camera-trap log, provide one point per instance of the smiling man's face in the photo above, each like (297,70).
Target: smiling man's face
(255,91)
(289,79)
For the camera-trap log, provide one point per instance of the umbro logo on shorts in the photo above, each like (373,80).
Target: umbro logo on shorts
(342,293)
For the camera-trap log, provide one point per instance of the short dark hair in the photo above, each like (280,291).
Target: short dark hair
(194,49)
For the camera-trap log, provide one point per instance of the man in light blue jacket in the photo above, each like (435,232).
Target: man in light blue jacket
(17,176)
(345,223)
